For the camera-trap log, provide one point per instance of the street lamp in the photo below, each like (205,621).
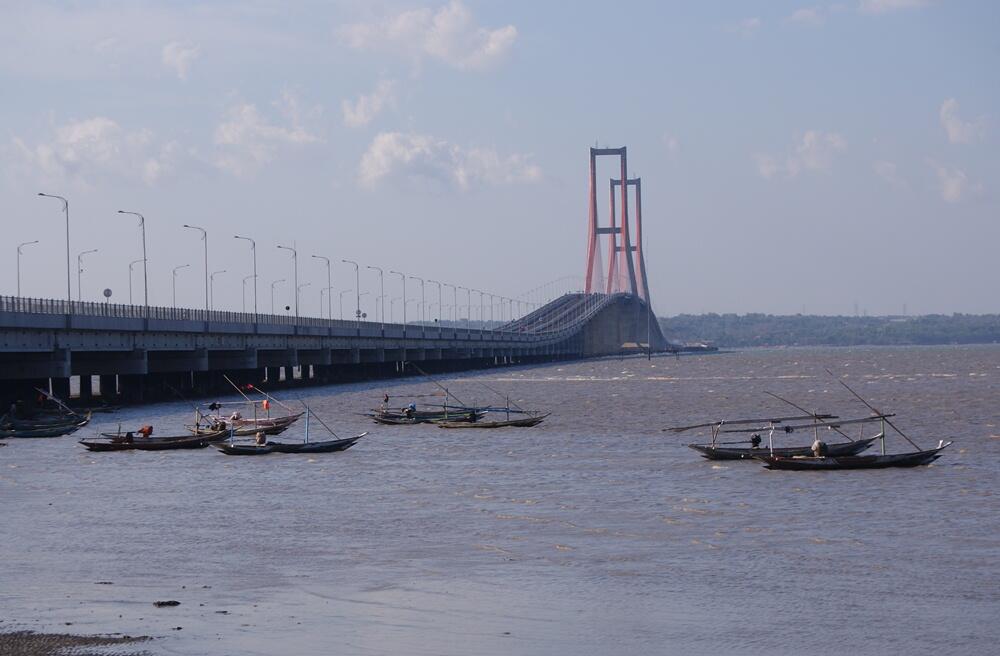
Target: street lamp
(130,265)
(299,289)
(19,247)
(329,284)
(360,316)
(468,305)
(295,264)
(244,299)
(423,298)
(211,287)
(381,287)
(176,269)
(204,238)
(454,298)
(342,303)
(272,293)
(439,300)
(79,271)
(357,288)
(253,251)
(403,278)
(69,293)
(145,272)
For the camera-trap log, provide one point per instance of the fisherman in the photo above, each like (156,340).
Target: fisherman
(129,437)
(145,431)
(410,410)
(755,441)
(260,439)
(819,448)
(236,416)
(385,402)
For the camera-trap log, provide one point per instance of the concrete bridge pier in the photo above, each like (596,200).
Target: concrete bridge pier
(86,388)
(60,387)
(109,386)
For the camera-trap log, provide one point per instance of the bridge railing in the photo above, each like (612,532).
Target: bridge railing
(563,314)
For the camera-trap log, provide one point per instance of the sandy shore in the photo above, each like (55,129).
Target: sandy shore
(29,643)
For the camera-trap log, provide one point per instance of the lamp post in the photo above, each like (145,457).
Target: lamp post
(439,300)
(272,293)
(130,265)
(359,305)
(253,251)
(342,302)
(403,278)
(454,300)
(145,271)
(176,269)
(381,289)
(19,247)
(204,238)
(357,289)
(211,287)
(468,305)
(295,265)
(423,298)
(69,293)
(298,290)
(79,271)
(244,296)
(329,284)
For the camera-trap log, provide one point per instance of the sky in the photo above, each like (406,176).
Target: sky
(795,157)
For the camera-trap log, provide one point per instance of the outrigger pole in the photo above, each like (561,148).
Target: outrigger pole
(812,414)
(873,409)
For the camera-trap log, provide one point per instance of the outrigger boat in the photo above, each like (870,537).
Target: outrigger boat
(829,461)
(328,446)
(522,422)
(127,442)
(717,450)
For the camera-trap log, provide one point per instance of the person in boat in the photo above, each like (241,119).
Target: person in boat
(410,410)
(260,439)
(755,441)
(236,416)
(145,431)
(385,402)
(214,405)
(819,449)
(128,437)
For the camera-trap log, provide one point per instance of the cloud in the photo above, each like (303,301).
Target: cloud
(178,57)
(247,140)
(746,27)
(889,172)
(959,131)
(812,16)
(886,6)
(367,106)
(87,149)
(953,183)
(815,151)
(449,35)
(395,154)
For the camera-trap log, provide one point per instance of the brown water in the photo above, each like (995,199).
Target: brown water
(594,533)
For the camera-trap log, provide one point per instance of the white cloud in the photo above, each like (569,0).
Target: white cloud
(959,131)
(808,16)
(90,148)
(367,106)
(886,6)
(178,57)
(415,155)
(248,141)
(889,172)
(953,183)
(815,151)
(449,34)
(746,27)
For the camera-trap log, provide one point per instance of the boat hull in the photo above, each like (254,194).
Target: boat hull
(328,446)
(741,453)
(244,449)
(830,463)
(524,422)
(152,444)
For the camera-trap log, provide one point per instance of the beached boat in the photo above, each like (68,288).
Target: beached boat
(523,422)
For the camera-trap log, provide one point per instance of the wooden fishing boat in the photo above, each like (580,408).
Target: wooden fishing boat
(121,443)
(66,423)
(523,422)
(56,430)
(829,463)
(244,431)
(744,453)
(399,419)
(327,446)
(244,449)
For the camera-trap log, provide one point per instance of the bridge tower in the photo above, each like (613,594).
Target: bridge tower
(624,258)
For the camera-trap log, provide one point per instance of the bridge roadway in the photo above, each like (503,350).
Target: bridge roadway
(141,354)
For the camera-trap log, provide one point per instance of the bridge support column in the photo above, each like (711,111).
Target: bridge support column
(109,386)
(132,387)
(60,388)
(86,387)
